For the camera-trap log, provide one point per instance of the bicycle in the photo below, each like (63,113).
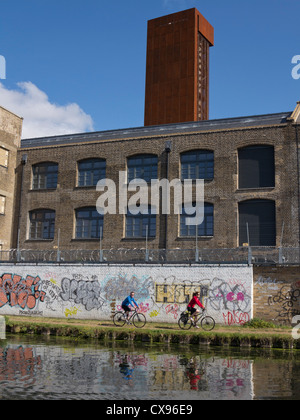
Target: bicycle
(138,319)
(186,321)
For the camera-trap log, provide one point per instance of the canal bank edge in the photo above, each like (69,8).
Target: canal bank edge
(249,338)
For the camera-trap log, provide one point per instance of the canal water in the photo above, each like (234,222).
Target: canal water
(33,368)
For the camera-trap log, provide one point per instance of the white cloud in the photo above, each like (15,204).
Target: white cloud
(41,117)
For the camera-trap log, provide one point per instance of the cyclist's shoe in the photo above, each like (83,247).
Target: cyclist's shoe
(196,326)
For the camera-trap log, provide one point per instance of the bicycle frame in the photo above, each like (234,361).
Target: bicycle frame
(200,316)
(138,319)
(187,320)
(132,313)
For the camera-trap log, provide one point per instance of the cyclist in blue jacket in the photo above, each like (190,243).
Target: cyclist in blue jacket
(129,301)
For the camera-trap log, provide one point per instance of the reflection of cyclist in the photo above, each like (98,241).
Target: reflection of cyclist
(125,369)
(191,307)
(194,378)
(129,301)
(193,375)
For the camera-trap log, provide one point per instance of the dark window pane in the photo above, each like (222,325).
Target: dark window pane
(137,225)
(197,164)
(89,223)
(205,229)
(256,167)
(45,176)
(143,167)
(90,172)
(42,224)
(260,215)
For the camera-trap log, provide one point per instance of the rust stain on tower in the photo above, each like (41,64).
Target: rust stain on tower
(177,75)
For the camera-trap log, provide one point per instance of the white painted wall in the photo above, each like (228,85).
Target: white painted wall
(96,291)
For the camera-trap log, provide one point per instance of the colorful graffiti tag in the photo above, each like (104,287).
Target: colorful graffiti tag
(22,292)
(82,292)
(229,298)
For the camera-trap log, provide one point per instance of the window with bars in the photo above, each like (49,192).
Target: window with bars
(197,164)
(42,224)
(45,176)
(205,229)
(89,223)
(142,167)
(90,171)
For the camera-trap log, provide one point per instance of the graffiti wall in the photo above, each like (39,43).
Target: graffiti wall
(277,293)
(97,292)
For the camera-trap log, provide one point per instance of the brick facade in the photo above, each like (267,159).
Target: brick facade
(10,140)
(277,293)
(115,147)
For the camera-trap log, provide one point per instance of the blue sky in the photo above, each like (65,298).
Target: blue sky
(79,65)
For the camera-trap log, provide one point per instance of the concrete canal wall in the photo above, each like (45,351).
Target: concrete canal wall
(97,291)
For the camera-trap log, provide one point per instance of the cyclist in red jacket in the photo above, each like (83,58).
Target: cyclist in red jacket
(191,307)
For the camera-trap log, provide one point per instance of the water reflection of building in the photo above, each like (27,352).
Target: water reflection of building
(21,360)
(93,371)
(218,377)
(273,380)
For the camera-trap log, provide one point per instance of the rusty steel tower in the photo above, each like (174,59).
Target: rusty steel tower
(177,71)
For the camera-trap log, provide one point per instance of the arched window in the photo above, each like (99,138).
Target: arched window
(44,176)
(205,229)
(142,167)
(141,225)
(90,171)
(42,224)
(89,223)
(256,167)
(260,217)
(197,164)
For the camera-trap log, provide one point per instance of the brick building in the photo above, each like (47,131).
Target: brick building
(10,140)
(250,166)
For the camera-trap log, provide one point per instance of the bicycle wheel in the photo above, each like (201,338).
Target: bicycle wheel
(208,323)
(184,322)
(139,320)
(119,319)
